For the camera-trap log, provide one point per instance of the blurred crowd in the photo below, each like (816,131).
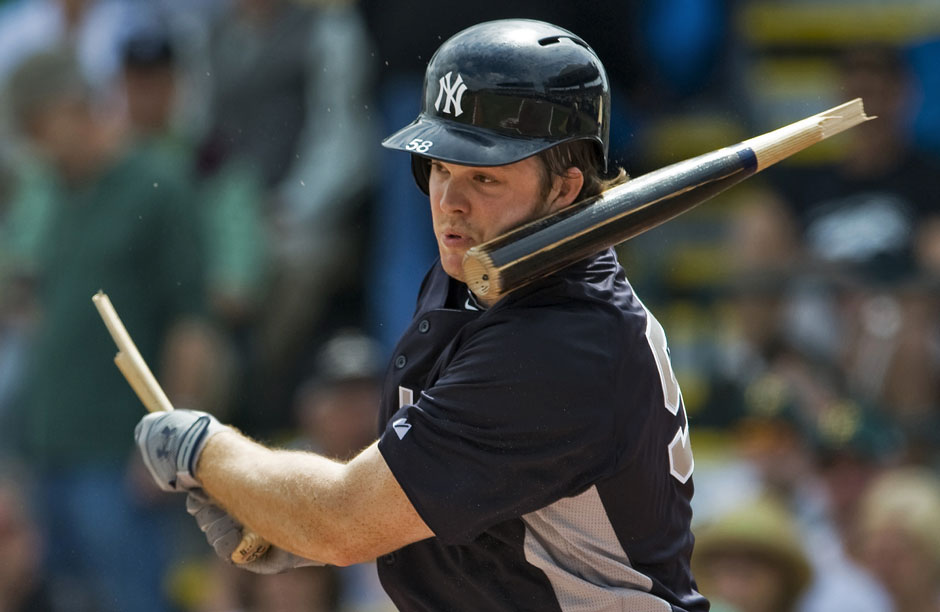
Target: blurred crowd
(214,166)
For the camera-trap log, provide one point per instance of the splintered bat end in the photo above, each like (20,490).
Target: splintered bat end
(843,117)
(781,143)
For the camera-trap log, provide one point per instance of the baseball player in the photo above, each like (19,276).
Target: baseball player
(534,452)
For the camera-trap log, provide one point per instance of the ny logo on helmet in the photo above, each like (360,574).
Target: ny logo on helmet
(454,92)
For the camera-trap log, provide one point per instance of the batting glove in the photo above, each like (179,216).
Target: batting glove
(171,442)
(224,533)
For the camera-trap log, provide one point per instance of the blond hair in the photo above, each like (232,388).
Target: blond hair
(907,499)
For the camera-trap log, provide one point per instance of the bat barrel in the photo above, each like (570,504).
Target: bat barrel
(549,244)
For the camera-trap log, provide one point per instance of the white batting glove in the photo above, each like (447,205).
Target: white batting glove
(170,443)
(224,533)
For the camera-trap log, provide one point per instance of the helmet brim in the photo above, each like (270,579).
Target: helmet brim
(448,141)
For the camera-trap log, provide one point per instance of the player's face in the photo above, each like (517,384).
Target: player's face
(470,205)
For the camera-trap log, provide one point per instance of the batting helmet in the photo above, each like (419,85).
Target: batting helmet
(501,91)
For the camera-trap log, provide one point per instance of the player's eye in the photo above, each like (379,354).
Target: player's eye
(438,167)
(485,179)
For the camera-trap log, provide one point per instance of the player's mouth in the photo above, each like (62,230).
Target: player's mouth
(454,240)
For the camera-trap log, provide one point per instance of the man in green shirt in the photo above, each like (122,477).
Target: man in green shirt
(123,220)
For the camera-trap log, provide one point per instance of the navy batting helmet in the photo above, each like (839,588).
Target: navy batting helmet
(501,91)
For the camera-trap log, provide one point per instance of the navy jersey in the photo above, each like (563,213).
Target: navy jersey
(545,444)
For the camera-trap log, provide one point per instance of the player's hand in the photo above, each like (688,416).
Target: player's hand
(170,443)
(224,533)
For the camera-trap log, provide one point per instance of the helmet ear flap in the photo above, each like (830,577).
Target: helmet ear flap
(421,169)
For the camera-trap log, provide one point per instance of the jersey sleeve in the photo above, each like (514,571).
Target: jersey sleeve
(519,417)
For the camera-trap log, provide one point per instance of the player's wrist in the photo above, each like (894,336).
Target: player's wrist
(214,449)
(213,429)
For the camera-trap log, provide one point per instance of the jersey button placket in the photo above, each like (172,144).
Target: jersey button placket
(424,326)
(400,361)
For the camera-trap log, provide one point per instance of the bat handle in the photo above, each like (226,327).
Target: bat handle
(251,548)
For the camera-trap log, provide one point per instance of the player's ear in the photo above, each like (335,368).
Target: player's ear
(566,188)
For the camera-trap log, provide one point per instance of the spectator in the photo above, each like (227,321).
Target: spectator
(290,100)
(23,585)
(863,216)
(899,537)
(313,589)
(306,589)
(337,408)
(852,444)
(751,559)
(813,452)
(89,29)
(229,200)
(148,63)
(881,184)
(123,221)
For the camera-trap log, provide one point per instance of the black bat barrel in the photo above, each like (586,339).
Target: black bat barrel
(549,244)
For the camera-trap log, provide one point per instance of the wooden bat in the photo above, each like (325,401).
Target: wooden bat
(145,385)
(547,245)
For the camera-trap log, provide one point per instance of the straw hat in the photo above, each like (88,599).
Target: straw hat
(762,528)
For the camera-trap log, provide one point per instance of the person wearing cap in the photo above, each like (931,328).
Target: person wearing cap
(534,452)
(149,65)
(337,406)
(751,559)
(230,197)
(336,409)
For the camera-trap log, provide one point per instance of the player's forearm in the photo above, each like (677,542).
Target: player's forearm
(293,499)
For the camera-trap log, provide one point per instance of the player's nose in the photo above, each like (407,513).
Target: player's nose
(454,197)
